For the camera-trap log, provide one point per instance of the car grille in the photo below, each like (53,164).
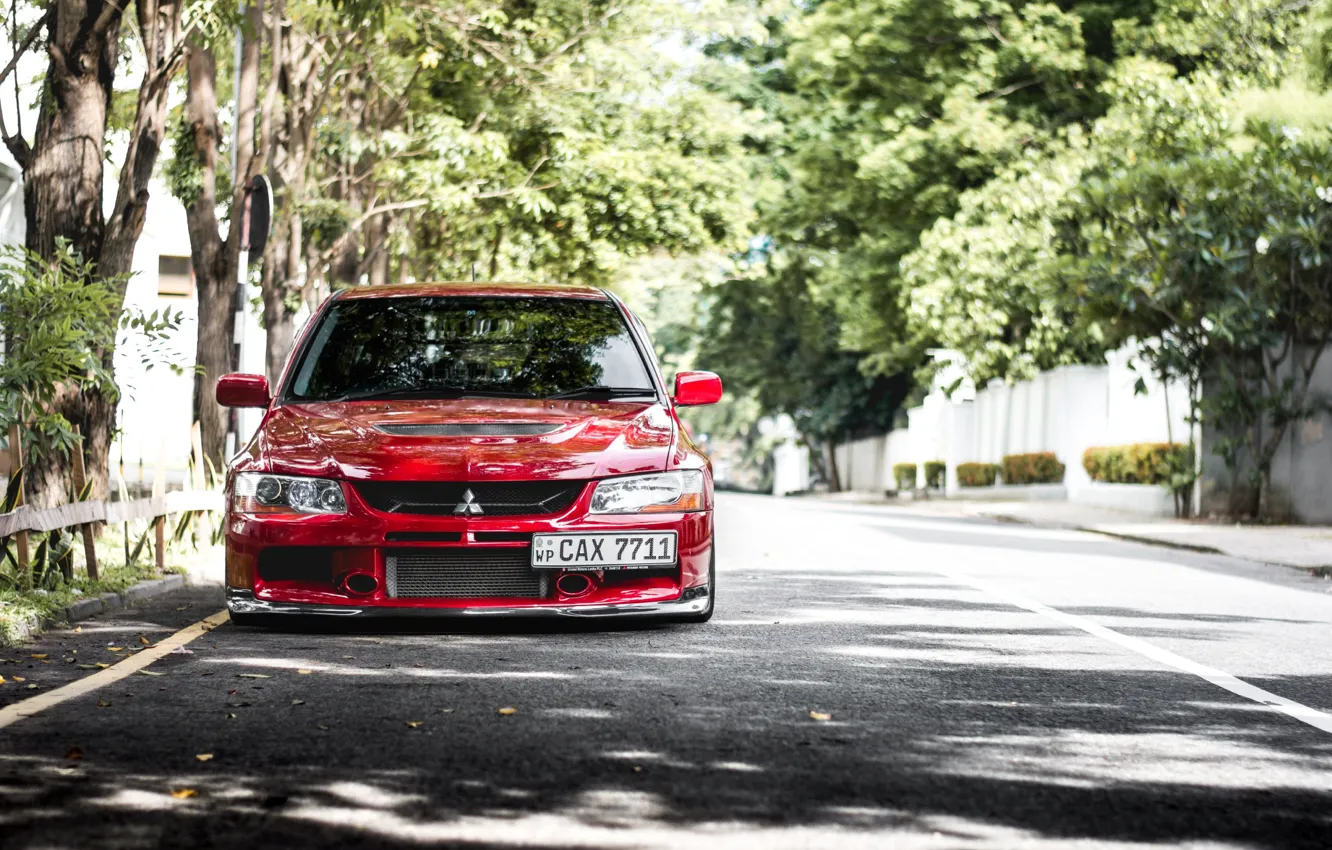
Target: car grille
(463,573)
(495,498)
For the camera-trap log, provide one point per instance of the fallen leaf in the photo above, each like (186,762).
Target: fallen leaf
(182,608)
(19,679)
(305,672)
(78,628)
(74,753)
(298,702)
(231,717)
(101,703)
(819,715)
(2,680)
(66,771)
(32,687)
(638,769)
(204,757)
(507,711)
(184,793)
(89,666)
(446,711)
(102,665)
(46,662)
(254,675)
(115,649)
(414,723)
(321,727)
(151,673)
(39,656)
(143,640)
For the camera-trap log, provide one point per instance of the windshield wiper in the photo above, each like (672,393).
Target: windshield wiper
(608,392)
(429,392)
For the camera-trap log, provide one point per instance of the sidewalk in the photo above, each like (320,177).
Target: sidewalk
(1300,546)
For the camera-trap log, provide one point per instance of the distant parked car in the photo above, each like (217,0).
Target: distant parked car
(471,449)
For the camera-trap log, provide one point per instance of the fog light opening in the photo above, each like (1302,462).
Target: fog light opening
(574,584)
(360,584)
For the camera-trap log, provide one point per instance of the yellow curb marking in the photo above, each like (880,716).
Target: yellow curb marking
(120,670)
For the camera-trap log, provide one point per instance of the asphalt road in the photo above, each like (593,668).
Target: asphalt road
(985,685)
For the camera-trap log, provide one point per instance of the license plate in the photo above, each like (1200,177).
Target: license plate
(629,551)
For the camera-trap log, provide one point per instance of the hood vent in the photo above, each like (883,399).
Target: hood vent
(472,429)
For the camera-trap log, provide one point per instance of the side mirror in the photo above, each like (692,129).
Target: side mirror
(695,388)
(241,390)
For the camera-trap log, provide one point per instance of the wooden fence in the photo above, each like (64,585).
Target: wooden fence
(82,515)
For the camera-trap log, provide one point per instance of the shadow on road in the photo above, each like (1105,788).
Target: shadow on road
(953,717)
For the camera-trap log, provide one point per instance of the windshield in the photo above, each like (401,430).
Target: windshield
(442,346)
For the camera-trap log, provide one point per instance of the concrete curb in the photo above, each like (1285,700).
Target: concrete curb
(94,605)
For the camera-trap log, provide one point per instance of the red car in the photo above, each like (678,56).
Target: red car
(470,449)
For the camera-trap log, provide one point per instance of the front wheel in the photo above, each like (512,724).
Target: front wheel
(706,614)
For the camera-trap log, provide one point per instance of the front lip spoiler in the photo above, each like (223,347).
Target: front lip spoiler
(242,601)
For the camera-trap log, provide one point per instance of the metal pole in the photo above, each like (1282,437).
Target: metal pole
(238,215)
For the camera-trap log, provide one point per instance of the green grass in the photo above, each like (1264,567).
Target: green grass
(19,607)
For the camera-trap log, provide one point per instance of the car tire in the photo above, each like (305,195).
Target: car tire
(705,615)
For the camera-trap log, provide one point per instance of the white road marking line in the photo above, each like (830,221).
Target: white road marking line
(1289,707)
(27,708)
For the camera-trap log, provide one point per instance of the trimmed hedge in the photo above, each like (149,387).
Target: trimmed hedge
(1136,463)
(936,473)
(977,474)
(905,476)
(1033,468)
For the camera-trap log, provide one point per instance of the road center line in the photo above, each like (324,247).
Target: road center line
(27,708)
(1299,711)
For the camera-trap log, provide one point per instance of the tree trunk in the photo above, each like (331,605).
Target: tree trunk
(63,184)
(214,266)
(279,318)
(62,197)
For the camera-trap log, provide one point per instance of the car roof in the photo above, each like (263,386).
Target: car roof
(492,288)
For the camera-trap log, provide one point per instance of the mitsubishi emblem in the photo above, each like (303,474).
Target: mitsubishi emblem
(468,505)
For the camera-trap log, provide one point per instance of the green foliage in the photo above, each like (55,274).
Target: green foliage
(1137,463)
(977,474)
(768,335)
(57,320)
(936,474)
(1221,260)
(904,474)
(1032,468)
(181,171)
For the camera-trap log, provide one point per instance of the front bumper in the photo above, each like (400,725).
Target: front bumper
(692,601)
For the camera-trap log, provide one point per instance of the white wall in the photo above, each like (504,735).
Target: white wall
(1066,411)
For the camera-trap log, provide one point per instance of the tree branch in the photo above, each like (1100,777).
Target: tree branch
(25,45)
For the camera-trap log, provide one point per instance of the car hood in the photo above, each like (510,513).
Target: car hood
(436,440)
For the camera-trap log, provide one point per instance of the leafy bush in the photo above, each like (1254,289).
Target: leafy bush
(977,474)
(935,473)
(905,475)
(1136,463)
(1033,468)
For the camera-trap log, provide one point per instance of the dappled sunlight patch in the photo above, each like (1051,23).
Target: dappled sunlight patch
(1207,756)
(364,794)
(578,713)
(736,766)
(295,665)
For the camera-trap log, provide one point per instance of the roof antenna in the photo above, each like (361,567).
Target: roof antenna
(473,272)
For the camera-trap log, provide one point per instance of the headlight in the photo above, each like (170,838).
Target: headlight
(665,491)
(260,493)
